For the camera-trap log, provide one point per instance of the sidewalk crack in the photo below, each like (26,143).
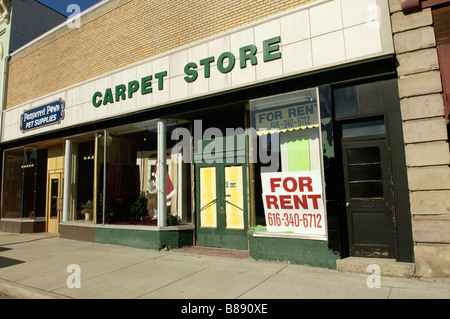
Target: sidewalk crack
(170,283)
(274,274)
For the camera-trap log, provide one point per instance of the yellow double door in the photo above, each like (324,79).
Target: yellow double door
(222,219)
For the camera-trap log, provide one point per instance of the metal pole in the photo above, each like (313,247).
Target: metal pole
(67,180)
(161,170)
(104,173)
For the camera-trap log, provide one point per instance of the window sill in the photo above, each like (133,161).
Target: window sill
(266,234)
(130,227)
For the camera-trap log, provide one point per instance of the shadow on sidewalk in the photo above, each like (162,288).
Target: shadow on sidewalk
(6,262)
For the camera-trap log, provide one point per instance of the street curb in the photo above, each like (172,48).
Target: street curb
(19,291)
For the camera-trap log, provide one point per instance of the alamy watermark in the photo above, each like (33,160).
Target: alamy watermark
(74,19)
(374,280)
(74,279)
(374,16)
(227,147)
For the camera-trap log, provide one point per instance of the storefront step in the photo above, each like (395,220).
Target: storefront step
(138,237)
(386,267)
(22,226)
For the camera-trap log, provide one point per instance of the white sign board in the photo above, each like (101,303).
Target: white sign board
(294,203)
(285,118)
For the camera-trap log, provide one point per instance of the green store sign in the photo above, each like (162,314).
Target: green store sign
(226,62)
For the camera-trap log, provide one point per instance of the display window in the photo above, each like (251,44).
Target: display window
(290,196)
(24,183)
(85,171)
(115,177)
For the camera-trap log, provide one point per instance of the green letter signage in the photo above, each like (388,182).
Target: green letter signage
(231,62)
(270,48)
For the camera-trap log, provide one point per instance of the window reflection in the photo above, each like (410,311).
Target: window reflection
(122,189)
(24,174)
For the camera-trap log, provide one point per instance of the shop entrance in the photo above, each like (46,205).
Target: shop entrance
(54,202)
(369,193)
(221,194)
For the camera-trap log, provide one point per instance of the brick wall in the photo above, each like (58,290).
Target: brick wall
(425,135)
(124,32)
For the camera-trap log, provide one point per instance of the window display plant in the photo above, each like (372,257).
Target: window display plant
(87,209)
(139,208)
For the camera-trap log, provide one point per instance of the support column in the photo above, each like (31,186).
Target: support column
(161,170)
(67,179)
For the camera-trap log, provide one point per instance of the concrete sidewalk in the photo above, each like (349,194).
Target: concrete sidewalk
(36,266)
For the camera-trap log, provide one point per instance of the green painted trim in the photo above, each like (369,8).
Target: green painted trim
(293,250)
(145,239)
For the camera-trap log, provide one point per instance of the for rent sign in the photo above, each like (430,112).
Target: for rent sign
(294,202)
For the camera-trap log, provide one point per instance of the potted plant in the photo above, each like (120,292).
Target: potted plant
(139,208)
(88,209)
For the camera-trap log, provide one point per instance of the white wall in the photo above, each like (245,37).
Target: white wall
(317,36)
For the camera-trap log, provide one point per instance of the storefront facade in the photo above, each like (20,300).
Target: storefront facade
(281,136)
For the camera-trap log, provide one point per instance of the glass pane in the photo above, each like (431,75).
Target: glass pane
(131,194)
(366,189)
(363,128)
(87,174)
(85,180)
(54,200)
(208,197)
(12,176)
(299,154)
(234,196)
(346,101)
(364,155)
(364,172)
(29,175)
(25,174)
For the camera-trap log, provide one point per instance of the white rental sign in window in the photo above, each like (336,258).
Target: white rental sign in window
(294,203)
(293,196)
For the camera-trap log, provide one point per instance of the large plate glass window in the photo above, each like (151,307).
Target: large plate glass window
(288,164)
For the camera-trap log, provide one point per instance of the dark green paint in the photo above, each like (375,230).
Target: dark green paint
(231,62)
(191,73)
(108,97)
(293,250)
(120,92)
(271,49)
(145,239)
(248,53)
(146,85)
(206,62)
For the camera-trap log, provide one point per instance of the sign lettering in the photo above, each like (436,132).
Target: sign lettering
(294,203)
(225,63)
(52,113)
(286,118)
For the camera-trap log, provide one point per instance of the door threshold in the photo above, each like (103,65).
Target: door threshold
(216,252)
(388,267)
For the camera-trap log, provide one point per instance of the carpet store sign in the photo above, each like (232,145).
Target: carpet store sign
(294,203)
(225,63)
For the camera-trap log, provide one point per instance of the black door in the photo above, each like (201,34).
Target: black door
(369,198)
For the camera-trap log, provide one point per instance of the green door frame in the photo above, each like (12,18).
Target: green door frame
(221,236)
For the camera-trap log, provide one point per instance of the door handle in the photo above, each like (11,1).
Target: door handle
(347,204)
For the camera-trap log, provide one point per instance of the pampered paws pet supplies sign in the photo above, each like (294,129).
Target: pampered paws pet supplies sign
(52,113)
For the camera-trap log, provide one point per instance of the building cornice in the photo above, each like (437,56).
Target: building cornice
(5,7)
